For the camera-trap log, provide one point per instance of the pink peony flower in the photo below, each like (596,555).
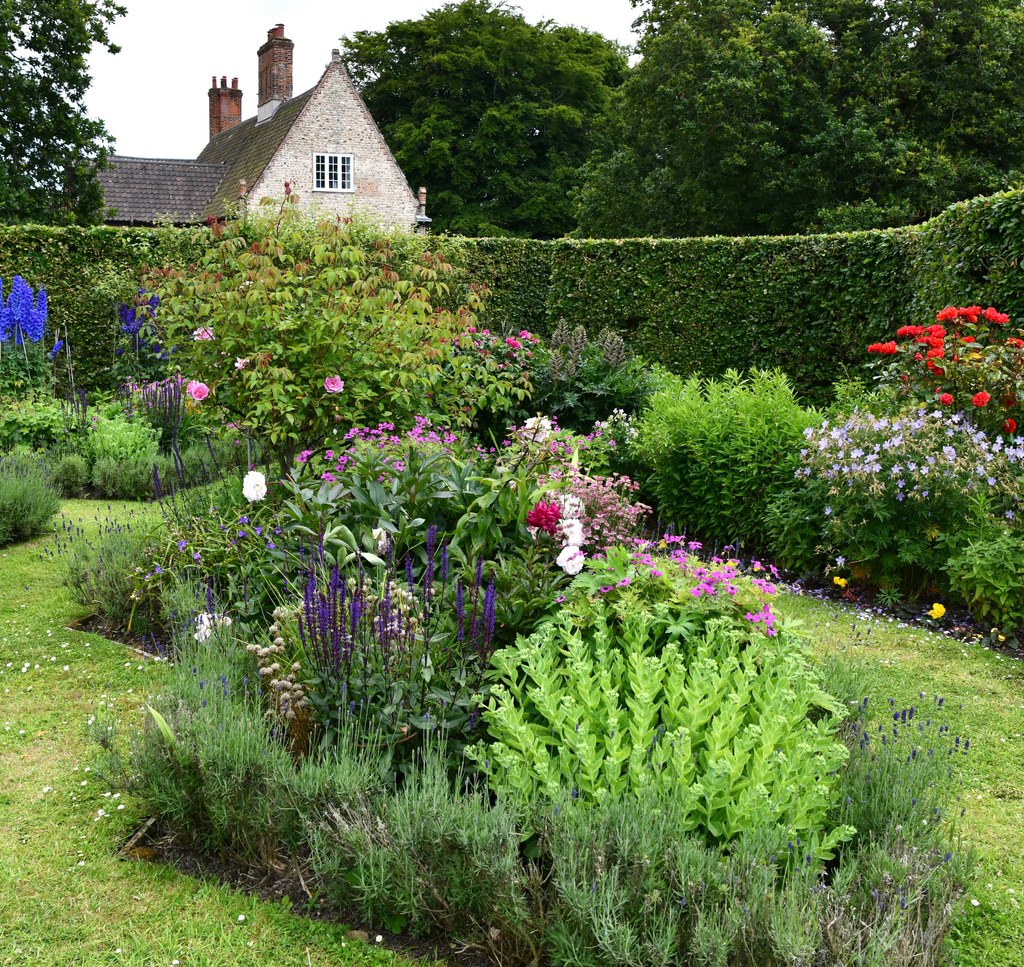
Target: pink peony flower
(203,334)
(333,384)
(198,391)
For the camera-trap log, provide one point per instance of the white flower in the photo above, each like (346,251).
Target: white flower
(254,486)
(205,623)
(571,559)
(572,530)
(537,429)
(381,537)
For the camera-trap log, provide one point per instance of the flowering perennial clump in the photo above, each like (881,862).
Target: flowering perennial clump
(896,493)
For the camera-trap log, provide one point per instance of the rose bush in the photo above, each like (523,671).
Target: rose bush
(969,360)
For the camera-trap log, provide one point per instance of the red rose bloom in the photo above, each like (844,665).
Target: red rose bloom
(967,339)
(946,399)
(545,517)
(937,353)
(905,331)
(1010,425)
(883,348)
(994,315)
(980,399)
(949,312)
(1015,342)
(970,313)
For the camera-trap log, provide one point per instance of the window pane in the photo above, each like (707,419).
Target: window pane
(332,171)
(346,172)
(320,180)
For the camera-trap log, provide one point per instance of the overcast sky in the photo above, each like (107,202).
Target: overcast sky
(153,94)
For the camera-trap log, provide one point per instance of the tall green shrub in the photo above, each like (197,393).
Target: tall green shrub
(718,450)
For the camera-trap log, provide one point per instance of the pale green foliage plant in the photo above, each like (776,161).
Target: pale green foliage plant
(608,699)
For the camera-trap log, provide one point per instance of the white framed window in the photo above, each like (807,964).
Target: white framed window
(333,172)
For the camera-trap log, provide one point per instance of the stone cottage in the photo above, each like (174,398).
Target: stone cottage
(323,142)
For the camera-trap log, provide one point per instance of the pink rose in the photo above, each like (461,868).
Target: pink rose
(203,334)
(333,384)
(198,391)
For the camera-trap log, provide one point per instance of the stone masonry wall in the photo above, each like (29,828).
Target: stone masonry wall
(335,121)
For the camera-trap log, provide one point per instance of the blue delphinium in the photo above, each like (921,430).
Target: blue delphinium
(23,314)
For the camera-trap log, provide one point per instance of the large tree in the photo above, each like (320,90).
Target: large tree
(495,116)
(49,146)
(750,117)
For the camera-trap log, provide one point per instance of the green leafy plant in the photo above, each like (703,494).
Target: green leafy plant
(988,573)
(293,328)
(71,474)
(716,451)
(580,380)
(628,689)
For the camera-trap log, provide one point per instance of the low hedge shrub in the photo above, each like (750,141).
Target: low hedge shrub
(29,498)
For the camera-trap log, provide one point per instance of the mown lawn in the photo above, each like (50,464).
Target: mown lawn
(66,899)
(901,663)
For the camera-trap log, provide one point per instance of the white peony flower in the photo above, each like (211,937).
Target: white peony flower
(254,486)
(571,559)
(572,531)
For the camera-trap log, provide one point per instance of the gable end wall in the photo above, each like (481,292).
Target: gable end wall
(336,121)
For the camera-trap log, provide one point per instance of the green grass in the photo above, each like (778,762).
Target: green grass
(64,897)
(902,662)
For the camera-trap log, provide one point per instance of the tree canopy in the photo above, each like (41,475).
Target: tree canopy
(752,117)
(49,147)
(495,116)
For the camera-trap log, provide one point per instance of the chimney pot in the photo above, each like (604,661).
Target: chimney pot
(213,81)
(223,82)
(423,197)
(234,83)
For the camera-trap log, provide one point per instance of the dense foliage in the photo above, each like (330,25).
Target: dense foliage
(750,117)
(716,452)
(780,296)
(49,146)
(494,115)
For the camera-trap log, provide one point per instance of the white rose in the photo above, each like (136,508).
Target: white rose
(254,486)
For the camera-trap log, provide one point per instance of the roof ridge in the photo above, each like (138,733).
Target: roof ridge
(165,161)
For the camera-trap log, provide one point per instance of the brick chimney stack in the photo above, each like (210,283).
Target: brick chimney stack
(275,71)
(225,105)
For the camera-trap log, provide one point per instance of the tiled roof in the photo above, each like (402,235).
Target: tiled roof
(144,190)
(245,150)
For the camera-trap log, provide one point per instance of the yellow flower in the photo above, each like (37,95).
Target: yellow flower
(841,582)
(937,611)
(662,545)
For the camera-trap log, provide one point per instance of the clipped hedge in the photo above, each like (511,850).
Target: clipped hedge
(806,303)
